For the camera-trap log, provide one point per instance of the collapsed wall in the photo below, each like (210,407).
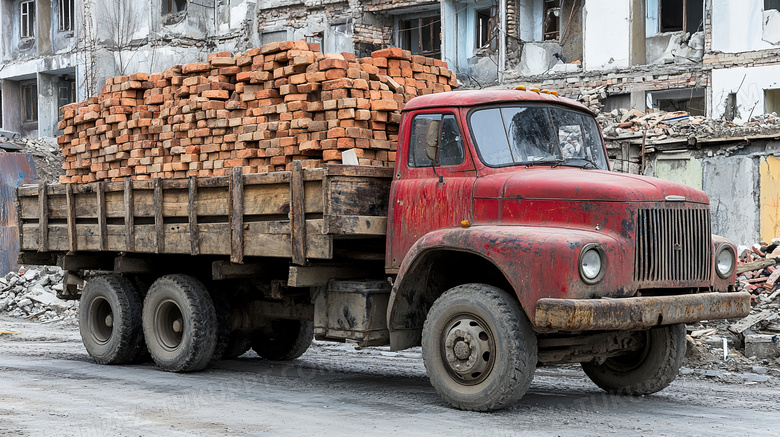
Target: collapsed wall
(259,110)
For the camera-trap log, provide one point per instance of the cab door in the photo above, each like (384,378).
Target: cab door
(429,194)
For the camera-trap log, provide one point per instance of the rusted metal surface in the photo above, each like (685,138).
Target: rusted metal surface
(637,312)
(15,169)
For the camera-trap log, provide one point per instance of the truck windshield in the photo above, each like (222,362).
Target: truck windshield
(527,135)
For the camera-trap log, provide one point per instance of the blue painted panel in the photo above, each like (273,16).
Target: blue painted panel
(15,169)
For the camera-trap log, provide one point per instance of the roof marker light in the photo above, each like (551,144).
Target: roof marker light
(520,87)
(536,90)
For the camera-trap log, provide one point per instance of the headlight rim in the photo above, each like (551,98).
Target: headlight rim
(725,247)
(602,254)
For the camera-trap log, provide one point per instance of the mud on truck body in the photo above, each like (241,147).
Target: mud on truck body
(500,242)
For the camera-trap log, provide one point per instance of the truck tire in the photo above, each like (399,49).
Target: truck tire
(110,320)
(286,340)
(238,345)
(478,348)
(180,324)
(224,325)
(648,370)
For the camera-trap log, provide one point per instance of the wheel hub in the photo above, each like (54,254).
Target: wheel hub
(468,350)
(169,324)
(101,320)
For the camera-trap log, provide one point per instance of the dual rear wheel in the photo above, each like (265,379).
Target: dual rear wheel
(178,322)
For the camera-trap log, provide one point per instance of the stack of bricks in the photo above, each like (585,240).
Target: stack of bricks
(259,110)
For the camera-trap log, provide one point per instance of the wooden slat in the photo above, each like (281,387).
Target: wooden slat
(237,216)
(158,215)
(129,216)
(357,225)
(71,206)
(101,212)
(43,218)
(193,215)
(297,215)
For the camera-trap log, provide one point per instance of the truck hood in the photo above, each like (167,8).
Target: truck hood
(566,183)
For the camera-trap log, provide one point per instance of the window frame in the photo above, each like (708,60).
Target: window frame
(29,101)
(411,150)
(27,19)
(404,40)
(66,15)
(169,7)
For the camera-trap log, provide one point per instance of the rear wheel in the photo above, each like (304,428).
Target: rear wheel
(180,324)
(647,370)
(238,344)
(285,340)
(478,348)
(110,320)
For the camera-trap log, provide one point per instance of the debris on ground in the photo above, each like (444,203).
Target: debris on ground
(31,293)
(753,343)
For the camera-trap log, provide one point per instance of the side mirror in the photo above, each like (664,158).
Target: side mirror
(432,140)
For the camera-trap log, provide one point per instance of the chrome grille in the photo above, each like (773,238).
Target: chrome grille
(672,245)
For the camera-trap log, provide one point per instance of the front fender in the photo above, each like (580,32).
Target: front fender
(537,261)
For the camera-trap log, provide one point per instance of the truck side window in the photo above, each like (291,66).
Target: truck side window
(435,130)
(451,152)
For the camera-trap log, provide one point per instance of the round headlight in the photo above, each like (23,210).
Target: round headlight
(724,261)
(592,263)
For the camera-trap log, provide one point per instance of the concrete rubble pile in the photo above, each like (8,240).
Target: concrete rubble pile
(259,110)
(753,343)
(31,293)
(626,124)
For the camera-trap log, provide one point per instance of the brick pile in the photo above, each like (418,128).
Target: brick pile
(259,110)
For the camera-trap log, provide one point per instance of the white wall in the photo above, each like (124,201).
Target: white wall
(607,30)
(750,97)
(737,26)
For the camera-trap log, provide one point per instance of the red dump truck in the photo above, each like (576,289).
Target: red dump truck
(500,242)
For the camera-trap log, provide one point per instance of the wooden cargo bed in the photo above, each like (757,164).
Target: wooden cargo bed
(294,214)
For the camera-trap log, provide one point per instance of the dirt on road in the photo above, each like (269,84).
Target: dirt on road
(49,386)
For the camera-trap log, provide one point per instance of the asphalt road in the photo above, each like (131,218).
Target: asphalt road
(49,386)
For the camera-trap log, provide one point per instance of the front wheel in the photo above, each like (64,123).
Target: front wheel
(478,348)
(647,370)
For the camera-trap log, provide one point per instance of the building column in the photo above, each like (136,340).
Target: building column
(48,112)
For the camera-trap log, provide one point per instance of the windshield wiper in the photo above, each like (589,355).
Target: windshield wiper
(553,162)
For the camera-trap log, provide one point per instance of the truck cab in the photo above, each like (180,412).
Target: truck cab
(504,200)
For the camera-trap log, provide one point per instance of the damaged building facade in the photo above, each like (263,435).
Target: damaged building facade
(710,57)
(55,52)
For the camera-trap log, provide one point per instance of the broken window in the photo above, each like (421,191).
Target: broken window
(689,100)
(27,17)
(173,6)
(552,20)
(617,101)
(66,92)
(275,36)
(436,133)
(30,102)
(486,28)
(421,36)
(66,16)
(686,15)
(771,4)
(772,101)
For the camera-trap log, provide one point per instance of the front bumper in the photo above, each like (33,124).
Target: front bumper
(636,313)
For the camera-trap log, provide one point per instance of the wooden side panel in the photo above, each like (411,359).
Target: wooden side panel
(285,214)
